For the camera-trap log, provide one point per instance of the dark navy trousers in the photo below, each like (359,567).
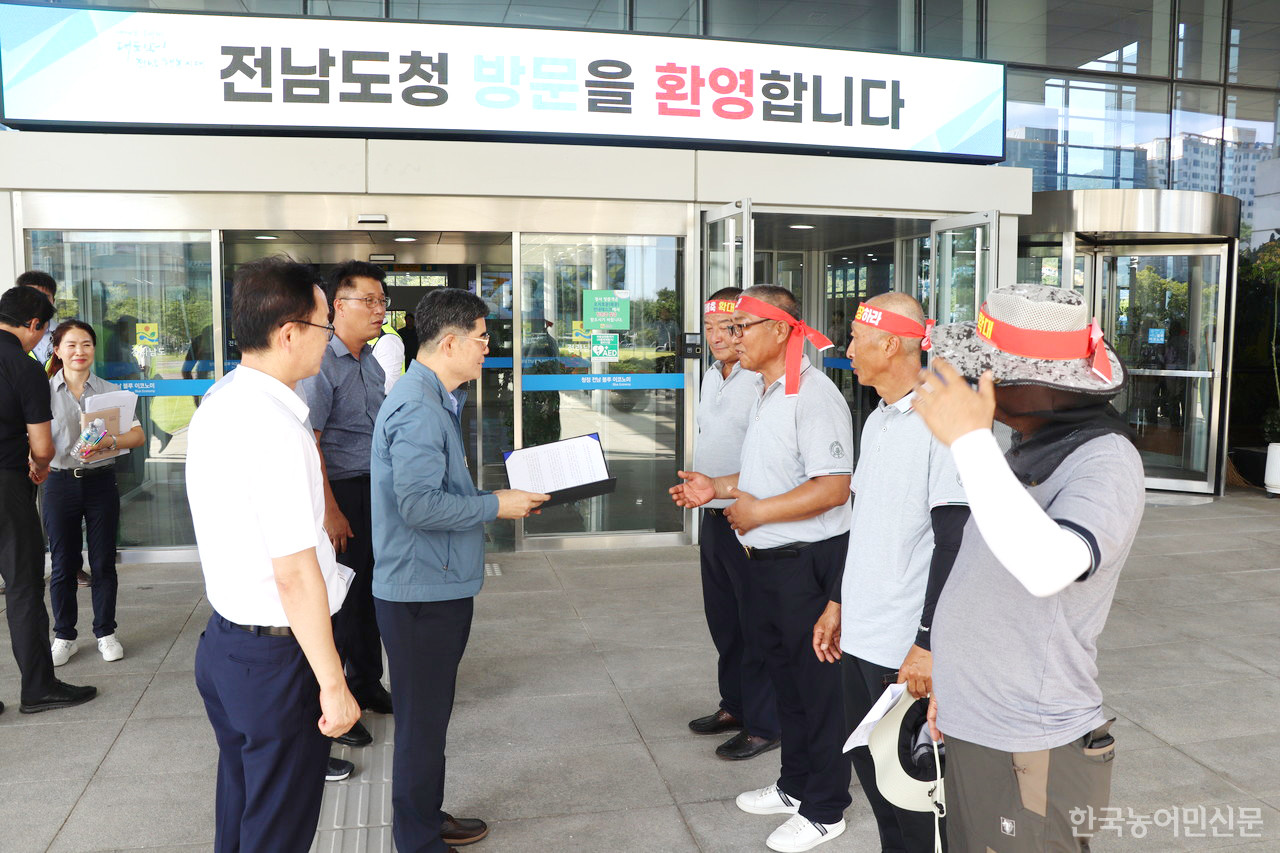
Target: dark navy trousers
(264,704)
(425,641)
(355,626)
(69,500)
(784,599)
(22,569)
(745,688)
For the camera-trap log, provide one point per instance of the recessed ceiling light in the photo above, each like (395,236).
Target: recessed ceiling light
(802,227)
(265,237)
(406,239)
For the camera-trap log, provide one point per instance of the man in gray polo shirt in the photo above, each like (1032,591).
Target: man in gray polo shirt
(729,393)
(1029,754)
(790,509)
(909,512)
(344,398)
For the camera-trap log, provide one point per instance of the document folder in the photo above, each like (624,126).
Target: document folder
(569,470)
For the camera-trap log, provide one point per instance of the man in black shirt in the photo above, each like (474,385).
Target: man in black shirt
(26,449)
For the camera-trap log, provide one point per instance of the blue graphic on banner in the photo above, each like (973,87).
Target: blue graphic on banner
(603,381)
(166,387)
(838,363)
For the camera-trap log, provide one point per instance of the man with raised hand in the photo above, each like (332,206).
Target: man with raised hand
(790,509)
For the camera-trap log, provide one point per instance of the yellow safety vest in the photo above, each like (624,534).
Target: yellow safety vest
(387,329)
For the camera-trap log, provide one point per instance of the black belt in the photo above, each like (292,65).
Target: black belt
(81,473)
(714,510)
(260,630)
(783,552)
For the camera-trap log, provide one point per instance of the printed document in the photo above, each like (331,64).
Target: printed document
(558,465)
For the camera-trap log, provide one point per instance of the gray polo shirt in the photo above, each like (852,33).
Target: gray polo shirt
(1018,673)
(344,398)
(724,406)
(66,420)
(903,473)
(791,440)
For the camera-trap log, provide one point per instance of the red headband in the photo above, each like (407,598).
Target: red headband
(719,306)
(895,324)
(1057,346)
(795,344)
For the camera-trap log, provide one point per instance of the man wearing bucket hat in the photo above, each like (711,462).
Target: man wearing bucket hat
(729,392)
(909,513)
(1015,634)
(790,511)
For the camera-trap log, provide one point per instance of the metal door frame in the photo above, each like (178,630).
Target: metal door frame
(990,218)
(1098,286)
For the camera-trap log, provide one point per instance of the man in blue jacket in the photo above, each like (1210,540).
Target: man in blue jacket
(428,535)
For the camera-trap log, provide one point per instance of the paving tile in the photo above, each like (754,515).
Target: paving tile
(523,607)
(156,594)
(499,725)
(181,656)
(117,697)
(1214,562)
(1127,627)
(1248,762)
(1260,650)
(721,827)
(147,634)
(70,751)
(539,636)
(622,557)
(1234,619)
(636,668)
(649,630)
(128,812)
(170,694)
(34,811)
(1194,543)
(1143,668)
(684,575)
(662,713)
(516,675)
(1159,593)
(163,744)
(520,561)
(372,839)
(631,831)
(608,603)
(142,573)
(1156,526)
(1163,777)
(695,774)
(1129,735)
(522,581)
(524,783)
(1206,711)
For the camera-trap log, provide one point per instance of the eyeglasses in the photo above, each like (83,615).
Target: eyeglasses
(328,327)
(482,338)
(371,302)
(736,329)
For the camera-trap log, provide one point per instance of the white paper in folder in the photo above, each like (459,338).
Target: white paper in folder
(559,465)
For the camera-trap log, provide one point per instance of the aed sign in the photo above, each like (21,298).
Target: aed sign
(120,70)
(604,347)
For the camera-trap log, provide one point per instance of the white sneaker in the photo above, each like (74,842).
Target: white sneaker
(799,834)
(110,648)
(62,651)
(768,800)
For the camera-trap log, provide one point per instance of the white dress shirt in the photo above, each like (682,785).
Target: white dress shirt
(256,493)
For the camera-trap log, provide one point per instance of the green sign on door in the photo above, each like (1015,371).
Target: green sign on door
(604,347)
(606,309)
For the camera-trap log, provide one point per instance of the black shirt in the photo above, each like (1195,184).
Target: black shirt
(24,399)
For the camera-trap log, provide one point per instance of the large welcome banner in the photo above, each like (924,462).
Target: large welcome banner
(120,70)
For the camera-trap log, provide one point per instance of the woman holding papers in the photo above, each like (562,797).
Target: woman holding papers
(82,488)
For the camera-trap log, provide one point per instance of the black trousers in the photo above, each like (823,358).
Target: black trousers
(355,626)
(67,501)
(22,568)
(746,690)
(425,641)
(784,600)
(901,831)
(263,703)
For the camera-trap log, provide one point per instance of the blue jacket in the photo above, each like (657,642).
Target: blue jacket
(428,516)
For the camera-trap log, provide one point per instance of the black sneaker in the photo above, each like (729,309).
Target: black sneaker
(338,769)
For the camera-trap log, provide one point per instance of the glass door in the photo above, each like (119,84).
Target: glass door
(598,329)
(728,238)
(963,265)
(1161,308)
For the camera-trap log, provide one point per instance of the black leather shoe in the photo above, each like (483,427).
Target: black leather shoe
(377,700)
(714,724)
(357,735)
(742,746)
(61,695)
(460,832)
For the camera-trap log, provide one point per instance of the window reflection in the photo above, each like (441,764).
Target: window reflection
(1123,36)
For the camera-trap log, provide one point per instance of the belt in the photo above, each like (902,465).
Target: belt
(714,510)
(782,552)
(260,630)
(81,473)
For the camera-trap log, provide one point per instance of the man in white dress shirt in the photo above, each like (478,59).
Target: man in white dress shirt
(266,666)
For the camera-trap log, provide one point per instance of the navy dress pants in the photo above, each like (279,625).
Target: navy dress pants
(264,704)
(425,641)
(784,599)
(69,500)
(745,688)
(355,626)
(22,569)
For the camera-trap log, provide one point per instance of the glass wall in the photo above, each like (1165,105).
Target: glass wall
(624,293)
(149,298)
